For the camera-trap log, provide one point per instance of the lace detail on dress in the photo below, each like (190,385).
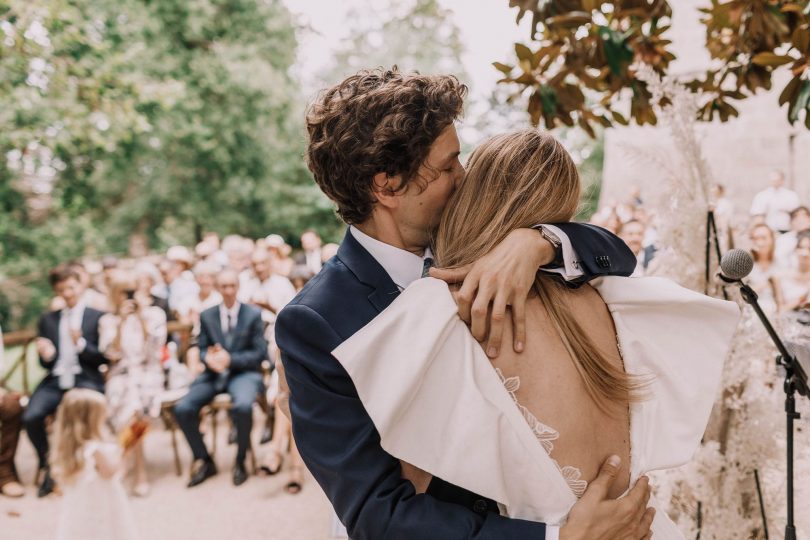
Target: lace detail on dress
(546,435)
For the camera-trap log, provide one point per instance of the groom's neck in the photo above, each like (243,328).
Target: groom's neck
(387,230)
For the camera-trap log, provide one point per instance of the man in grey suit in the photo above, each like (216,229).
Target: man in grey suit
(232,348)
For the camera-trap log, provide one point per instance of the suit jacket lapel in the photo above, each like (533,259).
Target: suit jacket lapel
(215,324)
(368,271)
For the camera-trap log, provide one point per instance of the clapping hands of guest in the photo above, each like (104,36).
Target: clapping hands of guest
(45,348)
(217,358)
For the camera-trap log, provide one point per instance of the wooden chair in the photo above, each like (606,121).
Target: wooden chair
(22,338)
(167,408)
(223,402)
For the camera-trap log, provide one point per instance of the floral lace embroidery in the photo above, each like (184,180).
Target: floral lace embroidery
(546,435)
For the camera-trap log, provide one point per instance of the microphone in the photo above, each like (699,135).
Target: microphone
(735,265)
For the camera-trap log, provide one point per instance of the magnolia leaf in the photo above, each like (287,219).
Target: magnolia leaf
(801,40)
(503,68)
(770,59)
(801,102)
(570,20)
(619,118)
(523,52)
(535,108)
(790,91)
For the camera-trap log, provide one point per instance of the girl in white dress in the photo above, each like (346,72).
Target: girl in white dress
(94,504)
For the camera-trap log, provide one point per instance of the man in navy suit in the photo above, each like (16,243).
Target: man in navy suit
(232,347)
(67,344)
(383,147)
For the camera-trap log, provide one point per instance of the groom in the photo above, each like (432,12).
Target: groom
(383,147)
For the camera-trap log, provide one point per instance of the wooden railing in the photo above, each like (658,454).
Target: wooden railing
(25,338)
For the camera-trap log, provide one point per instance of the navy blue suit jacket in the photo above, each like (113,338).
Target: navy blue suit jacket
(249,348)
(90,359)
(333,431)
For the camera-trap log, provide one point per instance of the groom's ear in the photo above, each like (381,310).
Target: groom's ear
(385,189)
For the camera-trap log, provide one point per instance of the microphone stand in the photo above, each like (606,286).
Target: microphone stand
(795,381)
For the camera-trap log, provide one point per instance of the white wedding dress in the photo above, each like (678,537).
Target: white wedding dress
(93,507)
(439,405)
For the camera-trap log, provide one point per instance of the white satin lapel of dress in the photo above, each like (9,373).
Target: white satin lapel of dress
(680,338)
(438,404)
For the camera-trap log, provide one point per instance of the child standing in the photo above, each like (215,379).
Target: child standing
(88,470)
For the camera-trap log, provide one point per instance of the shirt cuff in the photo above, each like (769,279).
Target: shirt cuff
(571,269)
(81,344)
(552,532)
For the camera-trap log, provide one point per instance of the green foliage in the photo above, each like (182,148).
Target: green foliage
(415,35)
(156,118)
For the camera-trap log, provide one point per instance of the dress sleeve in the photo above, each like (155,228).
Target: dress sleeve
(677,339)
(439,405)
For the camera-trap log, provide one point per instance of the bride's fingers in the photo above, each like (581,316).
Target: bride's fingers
(519,323)
(480,309)
(496,323)
(451,275)
(607,474)
(465,297)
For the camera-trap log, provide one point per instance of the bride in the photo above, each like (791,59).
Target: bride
(622,366)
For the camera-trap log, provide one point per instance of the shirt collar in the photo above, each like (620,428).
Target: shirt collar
(234,311)
(403,267)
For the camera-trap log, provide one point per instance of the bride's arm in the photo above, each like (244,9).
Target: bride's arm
(505,276)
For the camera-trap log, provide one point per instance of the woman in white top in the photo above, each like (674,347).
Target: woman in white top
(795,281)
(132,338)
(626,367)
(763,278)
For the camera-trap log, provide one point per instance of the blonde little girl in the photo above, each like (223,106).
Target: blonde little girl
(89,471)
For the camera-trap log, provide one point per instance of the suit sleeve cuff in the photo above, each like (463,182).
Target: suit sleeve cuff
(81,344)
(571,269)
(552,532)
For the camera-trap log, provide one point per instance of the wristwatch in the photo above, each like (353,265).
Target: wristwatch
(549,235)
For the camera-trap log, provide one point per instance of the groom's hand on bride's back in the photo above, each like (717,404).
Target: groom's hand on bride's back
(596,517)
(501,278)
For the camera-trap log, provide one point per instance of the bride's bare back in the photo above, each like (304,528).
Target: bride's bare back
(553,391)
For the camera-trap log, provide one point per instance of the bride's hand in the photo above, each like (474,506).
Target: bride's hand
(596,517)
(501,278)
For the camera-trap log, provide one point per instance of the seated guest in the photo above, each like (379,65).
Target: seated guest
(311,254)
(10,424)
(795,281)
(206,274)
(786,243)
(180,283)
(328,251)
(763,278)
(279,254)
(147,277)
(282,439)
(132,338)
(232,348)
(632,233)
(265,289)
(68,350)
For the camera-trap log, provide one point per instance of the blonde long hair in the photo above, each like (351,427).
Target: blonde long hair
(518,180)
(79,419)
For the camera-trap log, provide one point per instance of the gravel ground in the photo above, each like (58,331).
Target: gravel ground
(260,509)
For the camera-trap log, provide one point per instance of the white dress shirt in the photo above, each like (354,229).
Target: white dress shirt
(775,205)
(67,363)
(402,266)
(223,316)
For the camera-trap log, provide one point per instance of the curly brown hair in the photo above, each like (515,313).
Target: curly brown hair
(377,120)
